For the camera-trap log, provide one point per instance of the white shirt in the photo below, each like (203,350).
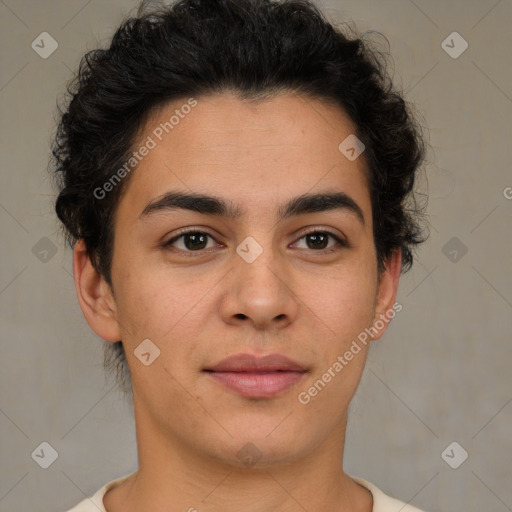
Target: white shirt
(381,502)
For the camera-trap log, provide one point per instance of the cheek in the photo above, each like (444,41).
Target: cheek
(151,307)
(343,301)
(168,308)
(139,300)
(168,316)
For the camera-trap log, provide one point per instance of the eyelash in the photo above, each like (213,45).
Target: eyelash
(340,242)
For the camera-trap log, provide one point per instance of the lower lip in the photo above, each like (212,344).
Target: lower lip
(258,385)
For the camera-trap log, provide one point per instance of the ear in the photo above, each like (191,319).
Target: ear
(94,296)
(385,308)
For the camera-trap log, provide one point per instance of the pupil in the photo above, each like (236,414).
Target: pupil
(318,237)
(195,241)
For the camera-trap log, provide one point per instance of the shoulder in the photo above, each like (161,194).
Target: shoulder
(384,503)
(95,502)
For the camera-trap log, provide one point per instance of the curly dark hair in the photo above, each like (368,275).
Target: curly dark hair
(255,49)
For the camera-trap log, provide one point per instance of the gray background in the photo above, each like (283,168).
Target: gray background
(440,374)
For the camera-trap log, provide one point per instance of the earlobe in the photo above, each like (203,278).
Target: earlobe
(385,308)
(94,295)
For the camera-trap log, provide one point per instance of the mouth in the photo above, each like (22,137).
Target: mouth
(257,377)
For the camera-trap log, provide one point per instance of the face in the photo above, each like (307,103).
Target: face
(251,273)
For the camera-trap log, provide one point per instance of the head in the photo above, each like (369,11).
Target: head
(244,104)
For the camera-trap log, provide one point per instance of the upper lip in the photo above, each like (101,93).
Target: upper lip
(251,363)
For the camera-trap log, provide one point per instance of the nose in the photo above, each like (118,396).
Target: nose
(259,293)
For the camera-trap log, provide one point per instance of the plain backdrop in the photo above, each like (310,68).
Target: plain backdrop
(440,375)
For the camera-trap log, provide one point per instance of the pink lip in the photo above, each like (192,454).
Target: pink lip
(257,377)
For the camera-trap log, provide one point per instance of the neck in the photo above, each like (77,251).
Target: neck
(172,476)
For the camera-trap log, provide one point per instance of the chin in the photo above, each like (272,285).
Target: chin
(263,445)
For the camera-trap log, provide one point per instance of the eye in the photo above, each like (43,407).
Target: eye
(191,241)
(318,240)
(197,241)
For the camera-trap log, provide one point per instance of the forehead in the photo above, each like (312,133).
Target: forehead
(254,153)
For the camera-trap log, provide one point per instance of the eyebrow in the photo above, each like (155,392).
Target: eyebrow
(211,205)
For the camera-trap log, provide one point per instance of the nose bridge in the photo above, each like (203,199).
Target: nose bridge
(258,263)
(258,290)
(257,248)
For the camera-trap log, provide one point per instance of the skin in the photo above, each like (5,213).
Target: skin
(199,307)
